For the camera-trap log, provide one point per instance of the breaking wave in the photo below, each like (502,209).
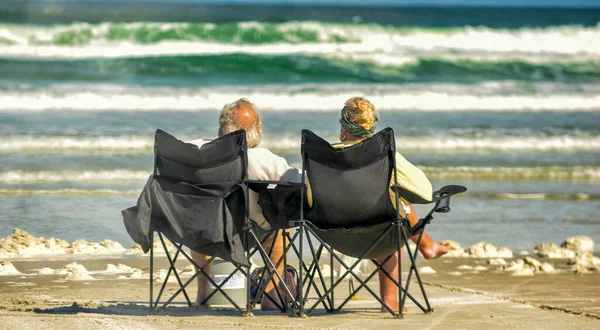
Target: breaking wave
(575,173)
(193,101)
(136,144)
(26,40)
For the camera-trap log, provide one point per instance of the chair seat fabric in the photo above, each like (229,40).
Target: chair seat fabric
(355,241)
(200,217)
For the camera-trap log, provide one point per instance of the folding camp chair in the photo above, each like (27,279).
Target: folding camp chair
(198,198)
(353,214)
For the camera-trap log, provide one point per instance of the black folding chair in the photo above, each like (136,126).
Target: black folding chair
(353,214)
(198,198)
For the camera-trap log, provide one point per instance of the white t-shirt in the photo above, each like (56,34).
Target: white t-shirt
(263,165)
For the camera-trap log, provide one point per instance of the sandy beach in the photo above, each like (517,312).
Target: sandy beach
(111,291)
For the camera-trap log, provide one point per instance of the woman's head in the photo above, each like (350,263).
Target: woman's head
(358,119)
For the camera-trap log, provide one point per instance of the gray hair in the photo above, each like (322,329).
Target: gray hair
(228,121)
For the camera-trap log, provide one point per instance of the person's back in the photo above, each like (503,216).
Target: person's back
(359,122)
(262,165)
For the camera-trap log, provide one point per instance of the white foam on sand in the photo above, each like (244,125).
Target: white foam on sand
(46,271)
(553,251)
(426,270)
(496,262)
(477,250)
(7,268)
(528,267)
(584,263)
(75,272)
(118,269)
(136,274)
(579,244)
(21,244)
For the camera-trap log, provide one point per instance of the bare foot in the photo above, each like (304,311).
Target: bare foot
(198,304)
(434,250)
(394,305)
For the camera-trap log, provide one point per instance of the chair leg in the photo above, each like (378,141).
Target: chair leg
(248,311)
(413,268)
(348,268)
(301,261)
(151,274)
(172,268)
(400,234)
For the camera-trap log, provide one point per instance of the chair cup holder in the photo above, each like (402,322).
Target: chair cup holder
(443,205)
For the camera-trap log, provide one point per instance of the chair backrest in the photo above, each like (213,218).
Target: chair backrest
(221,160)
(350,186)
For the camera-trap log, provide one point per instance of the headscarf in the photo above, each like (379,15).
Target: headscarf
(355,129)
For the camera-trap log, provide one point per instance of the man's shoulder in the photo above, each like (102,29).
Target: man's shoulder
(263,155)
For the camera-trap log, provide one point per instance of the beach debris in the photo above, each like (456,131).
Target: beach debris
(426,270)
(135,249)
(7,268)
(75,272)
(477,268)
(496,262)
(46,271)
(22,244)
(120,268)
(579,244)
(454,250)
(553,251)
(584,263)
(528,267)
(477,250)
(488,250)
(82,246)
(135,275)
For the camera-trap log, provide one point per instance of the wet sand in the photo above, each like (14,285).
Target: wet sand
(472,300)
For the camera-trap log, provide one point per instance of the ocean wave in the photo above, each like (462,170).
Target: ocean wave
(68,192)
(26,177)
(574,173)
(306,101)
(136,144)
(534,196)
(257,69)
(68,143)
(482,195)
(25,40)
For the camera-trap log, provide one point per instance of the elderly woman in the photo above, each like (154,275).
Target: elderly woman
(358,122)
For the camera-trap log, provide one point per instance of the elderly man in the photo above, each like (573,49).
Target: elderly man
(262,165)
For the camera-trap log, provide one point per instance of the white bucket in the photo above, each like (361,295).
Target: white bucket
(235,286)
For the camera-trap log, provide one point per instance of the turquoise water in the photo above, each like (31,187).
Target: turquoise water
(505,101)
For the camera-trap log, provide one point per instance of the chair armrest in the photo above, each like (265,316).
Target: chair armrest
(408,195)
(447,191)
